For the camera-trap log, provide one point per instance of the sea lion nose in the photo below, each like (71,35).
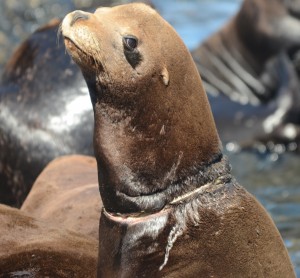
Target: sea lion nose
(78,15)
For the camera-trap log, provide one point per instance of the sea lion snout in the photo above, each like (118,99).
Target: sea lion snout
(72,29)
(73,17)
(78,15)
(80,42)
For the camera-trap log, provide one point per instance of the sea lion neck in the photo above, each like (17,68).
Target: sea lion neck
(153,124)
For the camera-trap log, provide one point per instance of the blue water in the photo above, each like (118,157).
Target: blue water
(195,20)
(273,178)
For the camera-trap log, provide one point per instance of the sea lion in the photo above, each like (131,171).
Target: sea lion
(251,61)
(66,194)
(55,233)
(31,247)
(171,206)
(44,112)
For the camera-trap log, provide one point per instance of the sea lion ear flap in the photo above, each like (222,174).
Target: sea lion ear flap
(165,76)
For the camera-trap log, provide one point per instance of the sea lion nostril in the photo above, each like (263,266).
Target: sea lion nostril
(78,15)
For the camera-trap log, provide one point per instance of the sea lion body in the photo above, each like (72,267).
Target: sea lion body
(66,194)
(123,130)
(171,205)
(211,236)
(55,233)
(31,247)
(44,112)
(252,62)
(42,90)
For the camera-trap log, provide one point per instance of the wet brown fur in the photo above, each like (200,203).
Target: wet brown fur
(155,140)
(133,105)
(67,195)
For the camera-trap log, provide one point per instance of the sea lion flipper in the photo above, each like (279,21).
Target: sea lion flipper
(283,122)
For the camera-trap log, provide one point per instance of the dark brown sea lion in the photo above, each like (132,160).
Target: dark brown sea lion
(44,112)
(171,206)
(251,61)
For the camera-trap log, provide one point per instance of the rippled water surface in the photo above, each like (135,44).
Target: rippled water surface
(273,178)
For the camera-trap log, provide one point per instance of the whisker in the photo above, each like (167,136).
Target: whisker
(98,62)
(59,33)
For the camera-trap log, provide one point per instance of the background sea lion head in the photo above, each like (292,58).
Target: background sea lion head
(153,124)
(269,26)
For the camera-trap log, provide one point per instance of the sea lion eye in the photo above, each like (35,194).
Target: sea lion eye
(132,54)
(130,43)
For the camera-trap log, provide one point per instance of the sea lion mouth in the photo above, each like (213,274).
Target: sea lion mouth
(78,53)
(70,44)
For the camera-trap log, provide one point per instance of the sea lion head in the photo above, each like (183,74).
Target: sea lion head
(113,49)
(154,129)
